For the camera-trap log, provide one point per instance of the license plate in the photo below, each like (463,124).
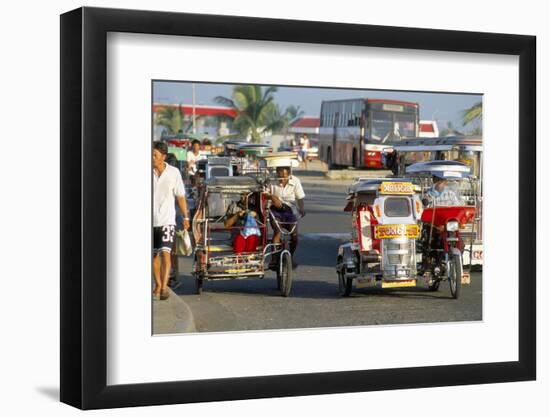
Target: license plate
(399,188)
(391,231)
(362,282)
(399,284)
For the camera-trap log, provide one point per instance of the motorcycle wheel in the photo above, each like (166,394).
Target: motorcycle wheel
(284,274)
(455,278)
(344,284)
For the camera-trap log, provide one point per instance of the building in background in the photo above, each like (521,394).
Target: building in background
(428,129)
(305,125)
(212,121)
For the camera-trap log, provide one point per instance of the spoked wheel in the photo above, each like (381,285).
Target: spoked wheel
(199,276)
(198,284)
(344,284)
(455,276)
(284,274)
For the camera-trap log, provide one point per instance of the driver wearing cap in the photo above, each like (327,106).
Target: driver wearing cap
(440,194)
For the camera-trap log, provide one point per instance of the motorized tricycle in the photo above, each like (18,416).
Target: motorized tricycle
(465,149)
(382,250)
(446,190)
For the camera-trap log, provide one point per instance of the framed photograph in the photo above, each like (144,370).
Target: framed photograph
(258,208)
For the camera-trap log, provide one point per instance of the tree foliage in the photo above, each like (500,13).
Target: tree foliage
(256,109)
(473,115)
(171,118)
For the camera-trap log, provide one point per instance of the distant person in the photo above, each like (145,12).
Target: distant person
(293,144)
(193,156)
(304,148)
(168,189)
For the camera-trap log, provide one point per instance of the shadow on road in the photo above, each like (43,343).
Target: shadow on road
(302,289)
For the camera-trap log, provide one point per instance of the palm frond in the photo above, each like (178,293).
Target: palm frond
(472,114)
(224,101)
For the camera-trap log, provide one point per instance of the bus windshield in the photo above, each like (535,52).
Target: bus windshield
(382,126)
(390,126)
(405,123)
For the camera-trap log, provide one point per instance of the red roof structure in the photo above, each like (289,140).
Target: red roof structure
(200,110)
(427,127)
(306,121)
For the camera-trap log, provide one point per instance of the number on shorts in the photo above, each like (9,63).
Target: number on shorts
(167,232)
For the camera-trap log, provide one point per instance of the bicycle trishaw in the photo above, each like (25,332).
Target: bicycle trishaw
(215,257)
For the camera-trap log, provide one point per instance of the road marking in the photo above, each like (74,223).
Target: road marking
(339,236)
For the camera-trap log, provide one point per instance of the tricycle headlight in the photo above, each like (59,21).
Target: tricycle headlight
(452,226)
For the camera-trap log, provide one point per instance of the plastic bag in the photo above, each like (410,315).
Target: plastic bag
(250,227)
(183,243)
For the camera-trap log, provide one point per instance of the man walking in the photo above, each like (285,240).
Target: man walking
(168,189)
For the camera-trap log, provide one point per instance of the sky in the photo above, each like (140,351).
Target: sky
(442,107)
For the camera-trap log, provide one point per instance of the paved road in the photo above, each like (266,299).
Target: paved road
(255,304)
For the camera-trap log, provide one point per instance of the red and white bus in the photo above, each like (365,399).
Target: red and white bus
(354,132)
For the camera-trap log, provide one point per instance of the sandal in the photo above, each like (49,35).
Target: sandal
(164,294)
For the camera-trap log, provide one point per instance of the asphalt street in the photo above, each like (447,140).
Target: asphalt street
(255,304)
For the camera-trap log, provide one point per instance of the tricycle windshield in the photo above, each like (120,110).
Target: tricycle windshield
(448,193)
(397,207)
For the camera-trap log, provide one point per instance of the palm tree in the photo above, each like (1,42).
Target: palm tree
(293,112)
(473,115)
(171,118)
(256,110)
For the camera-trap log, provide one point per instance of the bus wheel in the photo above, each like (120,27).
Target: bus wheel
(330,162)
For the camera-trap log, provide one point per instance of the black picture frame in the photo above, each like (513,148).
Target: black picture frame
(84,207)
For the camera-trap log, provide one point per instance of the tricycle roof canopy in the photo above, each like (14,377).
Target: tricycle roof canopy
(446,143)
(442,169)
(233,184)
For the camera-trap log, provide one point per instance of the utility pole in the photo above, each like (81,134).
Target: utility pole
(194,124)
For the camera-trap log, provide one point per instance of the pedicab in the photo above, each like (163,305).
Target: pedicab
(216,255)
(448,193)
(382,250)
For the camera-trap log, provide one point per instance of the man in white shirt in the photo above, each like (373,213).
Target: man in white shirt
(287,198)
(193,156)
(168,189)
